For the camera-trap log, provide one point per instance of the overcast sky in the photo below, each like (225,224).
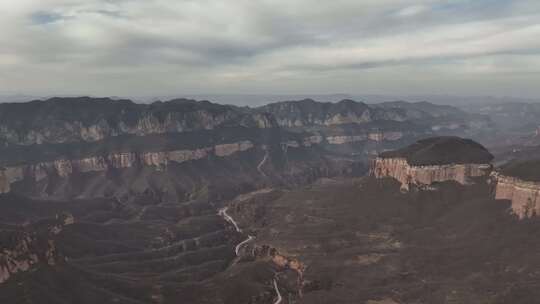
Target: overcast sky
(169,47)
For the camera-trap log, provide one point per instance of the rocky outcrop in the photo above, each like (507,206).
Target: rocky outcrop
(21,249)
(20,257)
(8,176)
(423,176)
(524,195)
(519,182)
(64,167)
(436,159)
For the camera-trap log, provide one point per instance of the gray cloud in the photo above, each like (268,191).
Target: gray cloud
(166,47)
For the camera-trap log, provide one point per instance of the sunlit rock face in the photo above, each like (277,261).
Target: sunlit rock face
(430,160)
(519,182)
(373,136)
(423,176)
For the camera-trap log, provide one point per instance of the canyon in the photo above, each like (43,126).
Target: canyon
(46,145)
(115,202)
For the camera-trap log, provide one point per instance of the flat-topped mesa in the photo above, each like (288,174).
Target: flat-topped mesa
(519,182)
(435,159)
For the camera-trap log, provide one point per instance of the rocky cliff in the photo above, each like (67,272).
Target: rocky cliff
(524,195)
(60,120)
(432,160)
(423,176)
(519,182)
(65,167)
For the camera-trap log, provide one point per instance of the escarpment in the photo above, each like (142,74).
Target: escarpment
(61,120)
(434,160)
(65,167)
(519,182)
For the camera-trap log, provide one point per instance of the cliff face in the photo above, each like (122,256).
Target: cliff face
(423,176)
(61,120)
(64,168)
(435,159)
(523,194)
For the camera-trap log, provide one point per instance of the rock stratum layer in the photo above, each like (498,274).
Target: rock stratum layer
(423,176)
(64,168)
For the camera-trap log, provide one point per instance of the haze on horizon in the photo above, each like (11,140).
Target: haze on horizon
(171,47)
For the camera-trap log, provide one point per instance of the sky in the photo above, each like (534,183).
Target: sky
(176,47)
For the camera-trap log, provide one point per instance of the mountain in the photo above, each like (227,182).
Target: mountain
(198,202)
(87,147)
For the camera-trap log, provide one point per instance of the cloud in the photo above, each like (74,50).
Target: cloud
(132,47)
(411,11)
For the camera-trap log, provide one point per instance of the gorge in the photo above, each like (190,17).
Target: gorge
(294,202)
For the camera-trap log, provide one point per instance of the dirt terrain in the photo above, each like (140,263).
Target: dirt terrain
(363,241)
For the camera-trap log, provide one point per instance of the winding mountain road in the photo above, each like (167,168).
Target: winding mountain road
(223,213)
(263,161)
(279,298)
(237,248)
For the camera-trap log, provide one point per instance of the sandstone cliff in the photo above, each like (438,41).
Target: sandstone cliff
(292,114)
(436,159)
(423,176)
(523,194)
(65,167)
